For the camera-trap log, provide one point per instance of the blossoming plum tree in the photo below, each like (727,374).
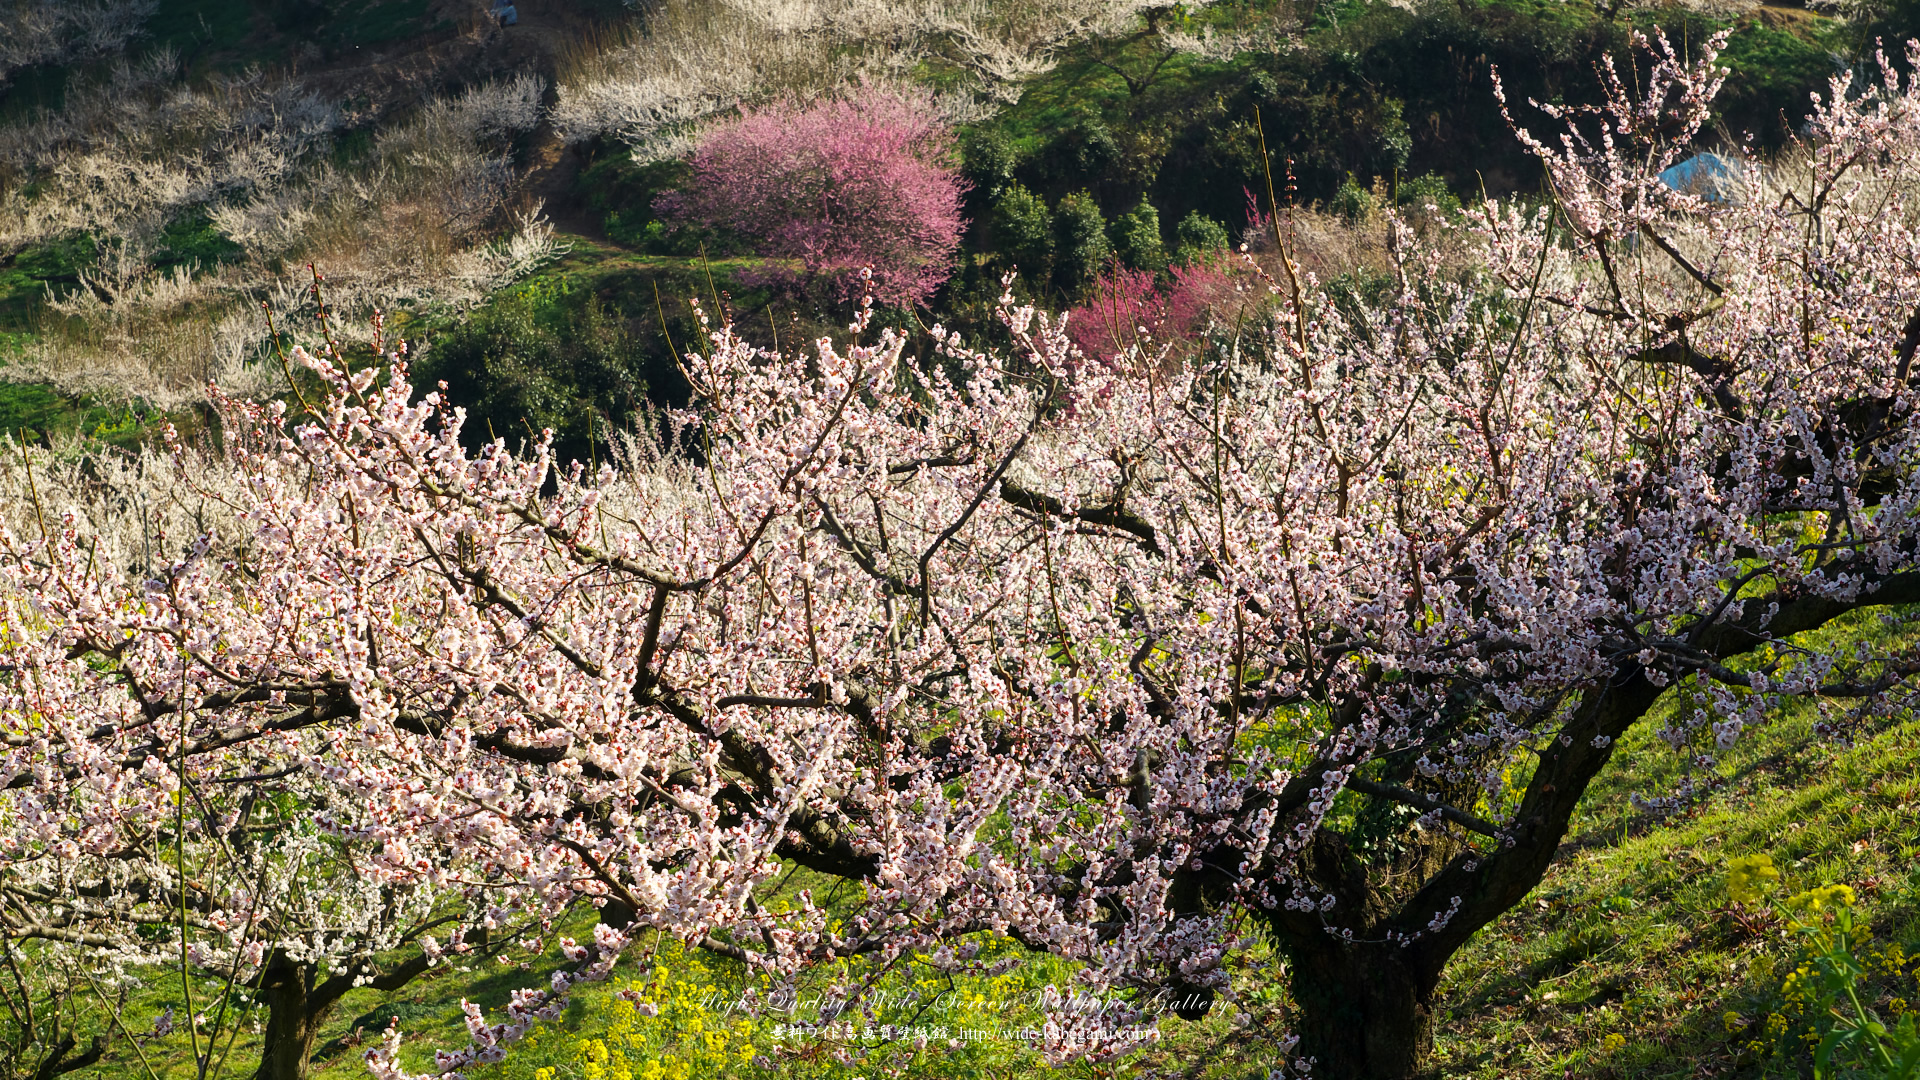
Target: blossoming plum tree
(1130,309)
(859,181)
(1108,655)
(145,828)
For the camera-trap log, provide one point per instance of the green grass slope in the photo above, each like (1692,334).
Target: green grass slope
(1628,958)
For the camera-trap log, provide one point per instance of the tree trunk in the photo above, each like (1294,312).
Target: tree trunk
(1364,1012)
(293,1020)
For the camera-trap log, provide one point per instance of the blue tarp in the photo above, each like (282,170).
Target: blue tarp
(1709,176)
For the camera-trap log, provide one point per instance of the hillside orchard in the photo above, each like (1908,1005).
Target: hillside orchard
(1123,656)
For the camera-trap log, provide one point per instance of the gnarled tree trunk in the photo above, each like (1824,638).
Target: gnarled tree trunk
(294,1016)
(1365,985)
(1365,1011)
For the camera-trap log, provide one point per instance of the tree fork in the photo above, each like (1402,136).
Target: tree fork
(1366,1006)
(293,1021)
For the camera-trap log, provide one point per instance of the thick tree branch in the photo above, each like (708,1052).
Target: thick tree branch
(1424,803)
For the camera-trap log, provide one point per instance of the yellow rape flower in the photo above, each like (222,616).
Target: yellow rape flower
(1893,959)
(1821,898)
(1750,877)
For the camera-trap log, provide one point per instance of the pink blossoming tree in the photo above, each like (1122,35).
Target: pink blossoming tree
(864,180)
(1079,651)
(1130,311)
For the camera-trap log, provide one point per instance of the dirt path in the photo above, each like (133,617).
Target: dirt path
(546,38)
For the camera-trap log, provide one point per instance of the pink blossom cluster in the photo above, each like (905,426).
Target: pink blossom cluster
(841,184)
(1132,310)
(528,1009)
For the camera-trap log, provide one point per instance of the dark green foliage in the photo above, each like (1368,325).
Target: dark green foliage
(987,160)
(299,16)
(1888,23)
(1199,238)
(1774,69)
(24,93)
(1023,232)
(32,411)
(377,22)
(1379,829)
(192,241)
(540,356)
(25,276)
(1437,64)
(1327,120)
(1426,190)
(197,26)
(234,35)
(1352,202)
(1136,238)
(1374,90)
(59,260)
(621,194)
(1080,245)
(1084,149)
(28,408)
(1321,117)
(352,146)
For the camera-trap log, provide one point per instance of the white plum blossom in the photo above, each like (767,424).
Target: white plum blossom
(1091,653)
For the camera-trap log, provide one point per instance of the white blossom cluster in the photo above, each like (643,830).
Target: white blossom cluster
(57,31)
(699,58)
(428,220)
